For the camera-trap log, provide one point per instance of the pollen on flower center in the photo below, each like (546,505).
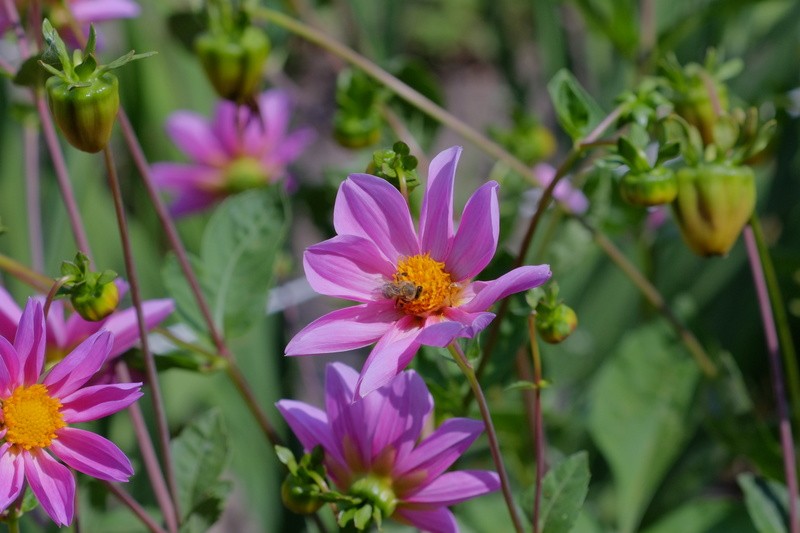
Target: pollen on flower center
(32,417)
(421,285)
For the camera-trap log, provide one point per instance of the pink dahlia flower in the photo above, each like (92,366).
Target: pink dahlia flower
(414,287)
(371,447)
(64,332)
(84,12)
(240,149)
(36,416)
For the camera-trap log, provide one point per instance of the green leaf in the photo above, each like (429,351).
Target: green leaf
(31,73)
(699,516)
(634,156)
(239,248)
(563,491)
(576,110)
(639,416)
(200,453)
(181,292)
(766,501)
(185,26)
(362,517)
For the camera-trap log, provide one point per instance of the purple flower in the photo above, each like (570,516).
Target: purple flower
(64,333)
(567,195)
(414,287)
(36,415)
(83,11)
(373,443)
(240,149)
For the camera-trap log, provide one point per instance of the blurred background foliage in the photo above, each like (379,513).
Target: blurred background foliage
(665,445)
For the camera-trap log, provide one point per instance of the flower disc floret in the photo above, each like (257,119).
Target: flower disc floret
(434,286)
(32,417)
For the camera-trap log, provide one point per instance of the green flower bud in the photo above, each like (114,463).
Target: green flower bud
(97,302)
(653,187)
(376,491)
(233,62)
(696,107)
(557,324)
(354,132)
(714,203)
(85,115)
(297,497)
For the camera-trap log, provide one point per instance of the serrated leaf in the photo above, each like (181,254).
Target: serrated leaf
(208,511)
(181,292)
(239,248)
(576,110)
(639,416)
(564,490)
(766,502)
(200,453)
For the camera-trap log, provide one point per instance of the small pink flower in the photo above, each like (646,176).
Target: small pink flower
(414,287)
(238,150)
(375,443)
(36,416)
(565,193)
(65,332)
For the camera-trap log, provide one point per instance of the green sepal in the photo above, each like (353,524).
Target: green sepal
(656,186)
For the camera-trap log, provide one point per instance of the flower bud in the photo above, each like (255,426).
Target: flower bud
(376,491)
(97,302)
(713,204)
(234,62)
(556,324)
(653,187)
(85,115)
(297,498)
(354,132)
(695,106)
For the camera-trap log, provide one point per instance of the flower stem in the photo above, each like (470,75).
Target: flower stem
(13,525)
(781,320)
(149,361)
(773,353)
(540,444)
(134,506)
(234,372)
(30,277)
(51,294)
(494,446)
(149,456)
(30,136)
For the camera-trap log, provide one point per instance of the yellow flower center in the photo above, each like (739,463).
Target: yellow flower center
(421,286)
(32,417)
(243,174)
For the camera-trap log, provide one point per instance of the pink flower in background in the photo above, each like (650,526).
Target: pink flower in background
(64,333)
(414,287)
(84,12)
(37,415)
(240,149)
(564,193)
(373,443)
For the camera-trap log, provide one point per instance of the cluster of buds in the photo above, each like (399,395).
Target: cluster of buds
(83,96)
(357,122)
(93,295)
(555,320)
(395,165)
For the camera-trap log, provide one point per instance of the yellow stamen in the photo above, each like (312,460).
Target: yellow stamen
(32,417)
(434,286)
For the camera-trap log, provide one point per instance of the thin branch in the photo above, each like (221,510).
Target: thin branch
(134,506)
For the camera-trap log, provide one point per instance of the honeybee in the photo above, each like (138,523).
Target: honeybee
(404,291)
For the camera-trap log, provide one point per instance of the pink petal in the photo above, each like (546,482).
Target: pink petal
(518,280)
(440,450)
(275,107)
(55,325)
(53,485)
(310,425)
(458,325)
(193,135)
(344,329)
(191,202)
(436,216)
(439,520)
(9,368)
(347,267)
(97,401)
(180,177)
(346,419)
(293,145)
(91,454)
(29,343)
(476,239)
(225,126)
(125,326)
(455,487)
(79,366)
(10,313)
(390,356)
(12,474)
(102,10)
(372,208)
(395,414)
